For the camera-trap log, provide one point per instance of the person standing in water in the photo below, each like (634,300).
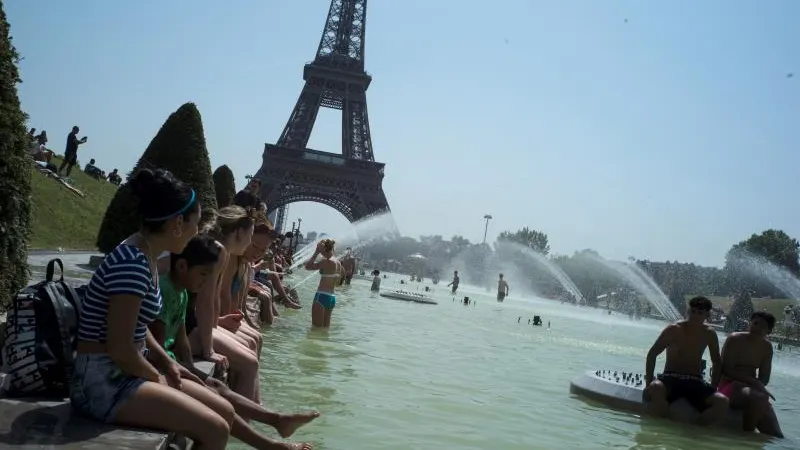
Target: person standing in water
(330,269)
(376,281)
(455,281)
(349,266)
(502,289)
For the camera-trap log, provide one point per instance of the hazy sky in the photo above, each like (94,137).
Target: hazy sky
(671,136)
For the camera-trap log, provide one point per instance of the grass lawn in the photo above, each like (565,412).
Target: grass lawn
(63,219)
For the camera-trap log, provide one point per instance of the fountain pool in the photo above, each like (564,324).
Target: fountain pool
(397,375)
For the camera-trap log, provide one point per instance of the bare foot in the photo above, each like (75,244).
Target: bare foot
(292,305)
(289,423)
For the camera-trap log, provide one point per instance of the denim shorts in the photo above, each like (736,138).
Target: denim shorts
(99,387)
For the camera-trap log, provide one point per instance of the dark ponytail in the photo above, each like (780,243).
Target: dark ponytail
(162,197)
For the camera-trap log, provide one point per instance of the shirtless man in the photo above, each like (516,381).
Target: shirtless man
(455,281)
(502,289)
(746,368)
(685,342)
(348,262)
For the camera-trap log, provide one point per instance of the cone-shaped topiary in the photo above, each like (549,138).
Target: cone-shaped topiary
(224,185)
(180,147)
(15,174)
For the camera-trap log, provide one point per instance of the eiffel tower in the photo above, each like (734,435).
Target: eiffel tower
(350,181)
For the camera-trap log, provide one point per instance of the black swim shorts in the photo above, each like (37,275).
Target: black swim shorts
(690,387)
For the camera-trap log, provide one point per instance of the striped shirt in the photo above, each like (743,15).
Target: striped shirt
(125,271)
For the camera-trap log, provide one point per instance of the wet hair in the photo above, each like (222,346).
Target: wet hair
(231,219)
(501,275)
(327,244)
(162,197)
(766,317)
(202,250)
(701,303)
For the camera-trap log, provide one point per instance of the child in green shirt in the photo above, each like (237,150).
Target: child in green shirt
(188,273)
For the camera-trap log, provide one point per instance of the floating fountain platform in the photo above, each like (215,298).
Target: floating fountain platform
(624,390)
(415,297)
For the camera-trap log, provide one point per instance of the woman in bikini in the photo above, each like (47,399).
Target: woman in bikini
(217,329)
(121,374)
(330,270)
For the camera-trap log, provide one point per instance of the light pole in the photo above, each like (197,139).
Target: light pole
(488,217)
(297,238)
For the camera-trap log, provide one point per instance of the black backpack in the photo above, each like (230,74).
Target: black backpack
(41,337)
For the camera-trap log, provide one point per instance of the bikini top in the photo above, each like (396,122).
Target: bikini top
(237,282)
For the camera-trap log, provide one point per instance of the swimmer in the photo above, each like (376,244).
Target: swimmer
(502,289)
(746,369)
(376,281)
(685,342)
(455,282)
(330,269)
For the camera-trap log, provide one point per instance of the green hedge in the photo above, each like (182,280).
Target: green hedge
(180,147)
(15,173)
(225,186)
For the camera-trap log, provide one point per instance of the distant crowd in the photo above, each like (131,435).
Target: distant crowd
(40,153)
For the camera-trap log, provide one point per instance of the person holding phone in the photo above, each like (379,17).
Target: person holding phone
(71,151)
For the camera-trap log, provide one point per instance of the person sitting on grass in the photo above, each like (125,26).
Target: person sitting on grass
(121,374)
(189,272)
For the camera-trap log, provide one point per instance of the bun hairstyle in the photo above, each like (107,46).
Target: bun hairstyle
(161,197)
(327,245)
(231,219)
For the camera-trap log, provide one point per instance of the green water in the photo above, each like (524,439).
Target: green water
(397,375)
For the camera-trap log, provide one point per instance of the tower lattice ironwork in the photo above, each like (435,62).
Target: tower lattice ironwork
(350,182)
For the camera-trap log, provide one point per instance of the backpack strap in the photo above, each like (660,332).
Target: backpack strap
(51,269)
(61,317)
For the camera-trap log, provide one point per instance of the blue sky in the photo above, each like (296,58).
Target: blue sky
(671,136)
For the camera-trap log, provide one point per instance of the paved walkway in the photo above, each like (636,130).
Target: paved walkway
(76,264)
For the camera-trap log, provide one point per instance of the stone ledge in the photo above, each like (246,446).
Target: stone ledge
(29,424)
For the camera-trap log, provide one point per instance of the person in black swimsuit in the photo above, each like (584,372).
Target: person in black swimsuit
(685,342)
(455,282)
(502,289)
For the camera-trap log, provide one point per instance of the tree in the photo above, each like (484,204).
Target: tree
(180,147)
(748,263)
(224,186)
(15,173)
(740,312)
(535,240)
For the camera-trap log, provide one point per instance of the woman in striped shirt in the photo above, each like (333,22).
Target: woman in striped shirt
(122,375)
